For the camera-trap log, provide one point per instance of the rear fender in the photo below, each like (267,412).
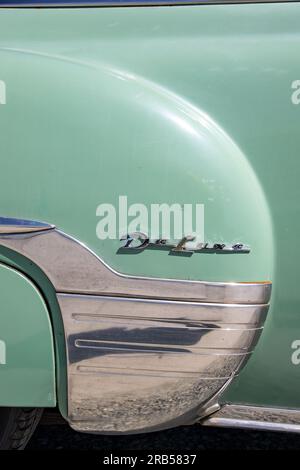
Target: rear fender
(27,366)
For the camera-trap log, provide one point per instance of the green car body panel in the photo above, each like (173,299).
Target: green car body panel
(27,370)
(189,104)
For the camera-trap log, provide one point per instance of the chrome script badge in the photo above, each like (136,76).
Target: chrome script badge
(139,241)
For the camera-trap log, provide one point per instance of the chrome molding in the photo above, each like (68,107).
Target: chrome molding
(254,417)
(127,3)
(143,353)
(73,268)
(9,226)
(137,364)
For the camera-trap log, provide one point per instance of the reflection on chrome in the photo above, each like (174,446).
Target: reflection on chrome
(255,417)
(10,226)
(143,353)
(140,364)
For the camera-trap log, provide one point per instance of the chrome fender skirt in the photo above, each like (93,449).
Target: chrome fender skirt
(143,353)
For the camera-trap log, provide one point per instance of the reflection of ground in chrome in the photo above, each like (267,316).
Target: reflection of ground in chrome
(172,400)
(145,401)
(60,436)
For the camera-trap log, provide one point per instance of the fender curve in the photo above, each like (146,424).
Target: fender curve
(25,329)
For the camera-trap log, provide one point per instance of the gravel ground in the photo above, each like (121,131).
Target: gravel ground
(60,436)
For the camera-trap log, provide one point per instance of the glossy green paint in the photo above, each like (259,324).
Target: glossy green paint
(27,368)
(182,104)
(23,265)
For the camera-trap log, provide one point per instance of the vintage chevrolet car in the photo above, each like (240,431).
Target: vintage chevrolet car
(149,103)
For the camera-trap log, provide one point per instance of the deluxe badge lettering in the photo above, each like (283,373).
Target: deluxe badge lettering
(139,241)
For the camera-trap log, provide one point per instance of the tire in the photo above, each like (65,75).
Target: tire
(17,426)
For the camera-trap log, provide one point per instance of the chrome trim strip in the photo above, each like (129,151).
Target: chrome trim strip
(73,268)
(10,226)
(252,417)
(133,3)
(229,315)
